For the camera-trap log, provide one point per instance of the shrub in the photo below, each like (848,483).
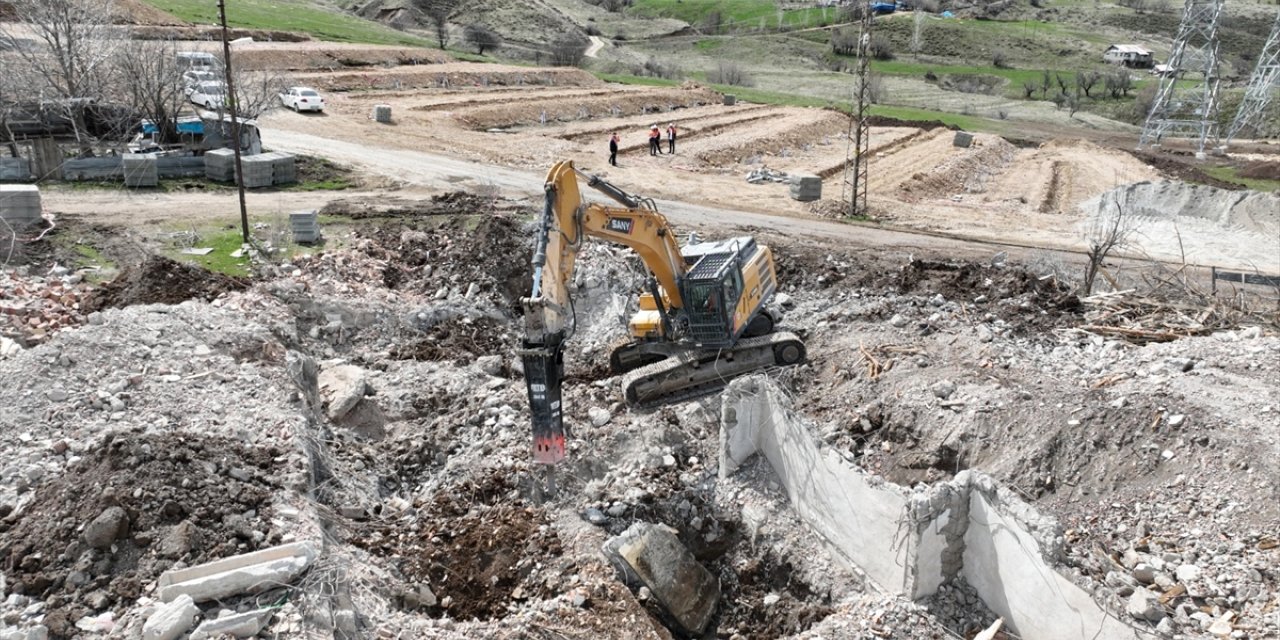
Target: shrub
(880,48)
(730,73)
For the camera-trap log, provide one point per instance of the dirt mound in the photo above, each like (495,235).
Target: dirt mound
(446,204)
(967,173)
(477,253)
(1261,171)
(479,549)
(328,56)
(177,498)
(160,280)
(1175,168)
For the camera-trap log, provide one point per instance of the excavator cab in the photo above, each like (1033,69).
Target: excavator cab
(715,286)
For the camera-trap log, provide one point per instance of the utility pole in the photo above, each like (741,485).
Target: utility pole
(235,119)
(856,170)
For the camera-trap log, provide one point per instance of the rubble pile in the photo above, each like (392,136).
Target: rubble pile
(32,307)
(765,174)
(372,393)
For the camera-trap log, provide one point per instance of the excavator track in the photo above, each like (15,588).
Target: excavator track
(696,373)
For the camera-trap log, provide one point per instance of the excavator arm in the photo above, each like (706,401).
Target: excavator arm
(548,311)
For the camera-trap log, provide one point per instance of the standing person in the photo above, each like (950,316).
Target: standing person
(654,138)
(613,150)
(671,138)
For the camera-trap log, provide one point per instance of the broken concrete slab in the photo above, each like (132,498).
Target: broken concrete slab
(343,387)
(911,542)
(248,573)
(652,556)
(171,620)
(236,625)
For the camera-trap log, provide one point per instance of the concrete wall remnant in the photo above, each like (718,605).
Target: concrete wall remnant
(248,573)
(911,542)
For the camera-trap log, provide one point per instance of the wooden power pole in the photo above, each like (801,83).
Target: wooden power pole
(235,118)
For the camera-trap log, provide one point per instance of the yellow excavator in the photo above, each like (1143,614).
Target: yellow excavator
(703,320)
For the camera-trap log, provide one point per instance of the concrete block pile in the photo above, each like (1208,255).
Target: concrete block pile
(284,168)
(305,226)
(382,113)
(806,187)
(20,204)
(256,171)
(140,170)
(220,165)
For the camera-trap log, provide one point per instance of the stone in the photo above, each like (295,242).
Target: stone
(58,395)
(944,389)
(1145,605)
(203,350)
(784,300)
(1176,420)
(985,334)
(598,416)
(491,365)
(772,599)
(171,620)
(649,555)
(343,386)
(1187,572)
(899,321)
(237,625)
(1222,626)
(106,528)
(1145,573)
(595,516)
(1181,364)
(181,539)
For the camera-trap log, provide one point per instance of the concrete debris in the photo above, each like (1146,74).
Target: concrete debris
(651,555)
(599,417)
(236,625)
(248,573)
(1145,605)
(343,387)
(171,620)
(33,308)
(765,174)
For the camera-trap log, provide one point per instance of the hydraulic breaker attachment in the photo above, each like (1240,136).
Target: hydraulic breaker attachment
(543,371)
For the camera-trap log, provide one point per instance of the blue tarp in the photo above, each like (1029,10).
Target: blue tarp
(185,125)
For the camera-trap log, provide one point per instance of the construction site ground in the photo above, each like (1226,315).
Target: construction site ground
(945,335)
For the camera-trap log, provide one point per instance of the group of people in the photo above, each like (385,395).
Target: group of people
(655,143)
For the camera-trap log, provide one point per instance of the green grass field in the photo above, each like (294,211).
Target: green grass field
(1231,174)
(737,15)
(290,15)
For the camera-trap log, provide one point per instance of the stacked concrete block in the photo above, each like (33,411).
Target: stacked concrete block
(220,165)
(15,169)
(305,226)
(962,139)
(382,113)
(730,100)
(806,187)
(20,204)
(140,170)
(284,168)
(257,171)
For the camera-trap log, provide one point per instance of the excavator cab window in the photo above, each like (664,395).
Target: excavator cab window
(710,307)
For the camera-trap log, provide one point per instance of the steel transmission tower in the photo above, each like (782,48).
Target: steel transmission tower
(1266,76)
(856,171)
(1189,112)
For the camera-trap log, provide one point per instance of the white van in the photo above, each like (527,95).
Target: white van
(197,60)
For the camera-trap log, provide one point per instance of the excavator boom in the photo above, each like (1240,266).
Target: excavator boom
(702,321)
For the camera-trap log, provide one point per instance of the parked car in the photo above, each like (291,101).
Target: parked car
(193,78)
(198,60)
(302,99)
(210,95)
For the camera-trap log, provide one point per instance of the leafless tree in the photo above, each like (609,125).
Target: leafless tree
(481,37)
(1087,80)
(1029,87)
(568,51)
(1107,231)
(438,13)
(75,44)
(258,92)
(730,73)
(151,83)
(12,86)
